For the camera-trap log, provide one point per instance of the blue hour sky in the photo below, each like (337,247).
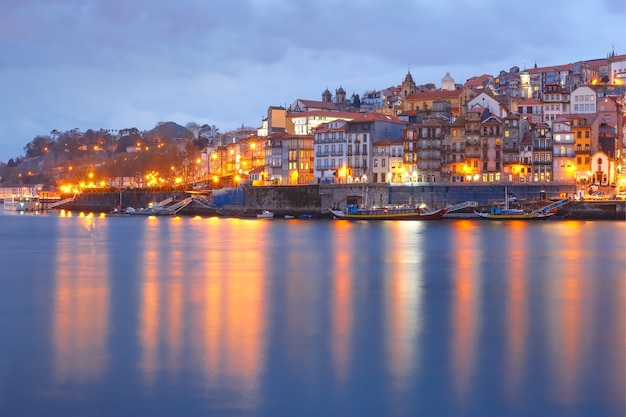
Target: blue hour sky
(117,64)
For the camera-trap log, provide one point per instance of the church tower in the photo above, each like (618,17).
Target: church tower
(326,96)
(340,96)
(408,85)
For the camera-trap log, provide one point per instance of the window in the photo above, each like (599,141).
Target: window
(382,163)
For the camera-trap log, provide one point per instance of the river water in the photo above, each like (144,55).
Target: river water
(232,317)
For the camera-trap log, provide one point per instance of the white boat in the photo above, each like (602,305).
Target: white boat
(265,214)
(21,203)
(153,209)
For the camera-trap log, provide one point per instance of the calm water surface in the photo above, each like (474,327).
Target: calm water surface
(229,317)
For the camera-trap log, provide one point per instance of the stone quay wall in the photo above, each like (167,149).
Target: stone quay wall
(317,199)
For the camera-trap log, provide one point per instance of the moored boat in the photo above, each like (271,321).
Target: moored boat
(153,209)
(265,214)
(22,203)
(388,213)
(506,213)
(513,214)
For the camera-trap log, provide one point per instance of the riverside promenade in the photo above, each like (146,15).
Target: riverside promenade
(316,199)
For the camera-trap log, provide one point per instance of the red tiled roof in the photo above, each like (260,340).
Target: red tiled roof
(477,81)
(553,68)
(336,114)
(433,95)
(530,102)
(372,116)
(388,142)
(319,104)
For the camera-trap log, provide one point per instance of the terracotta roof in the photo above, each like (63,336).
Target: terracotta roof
(312,113)
(372,116)
(530,102)
(589,117)
(319,104)
(389,142)
(477,81)
(434,95)
(554,68)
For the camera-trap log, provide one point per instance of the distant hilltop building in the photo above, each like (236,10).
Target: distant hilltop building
(447,83)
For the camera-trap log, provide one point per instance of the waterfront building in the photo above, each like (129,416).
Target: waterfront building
(387,165)
(473,118)
(275,159)
(602,169)
(300,159)
(362,133)
(583,148)
(423,144)
(563,165)
(330,143)
(523,172)
(543,149)
(511,147)
(456,170)
(491,148)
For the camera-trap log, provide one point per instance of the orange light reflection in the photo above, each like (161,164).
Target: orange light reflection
(81,308)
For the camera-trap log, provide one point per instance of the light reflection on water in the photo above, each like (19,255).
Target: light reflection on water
(247,317)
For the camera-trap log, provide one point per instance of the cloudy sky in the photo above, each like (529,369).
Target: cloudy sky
(117,64)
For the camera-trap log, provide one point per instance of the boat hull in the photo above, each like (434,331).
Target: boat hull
(524,216)
(388,215)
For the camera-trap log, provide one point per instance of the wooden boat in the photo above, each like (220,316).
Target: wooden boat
(387,213)
(513,214)
(506,213)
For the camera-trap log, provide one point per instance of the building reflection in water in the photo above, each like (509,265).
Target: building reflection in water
(404,280)
(516,309)
(569,313)
(207,315)
(342,316)
(466,251)
(80,324)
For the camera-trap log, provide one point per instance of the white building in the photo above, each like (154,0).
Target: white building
(583,100)
(563,167)
(330,157)
(387,156)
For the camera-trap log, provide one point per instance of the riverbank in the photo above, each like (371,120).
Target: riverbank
(316,199)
